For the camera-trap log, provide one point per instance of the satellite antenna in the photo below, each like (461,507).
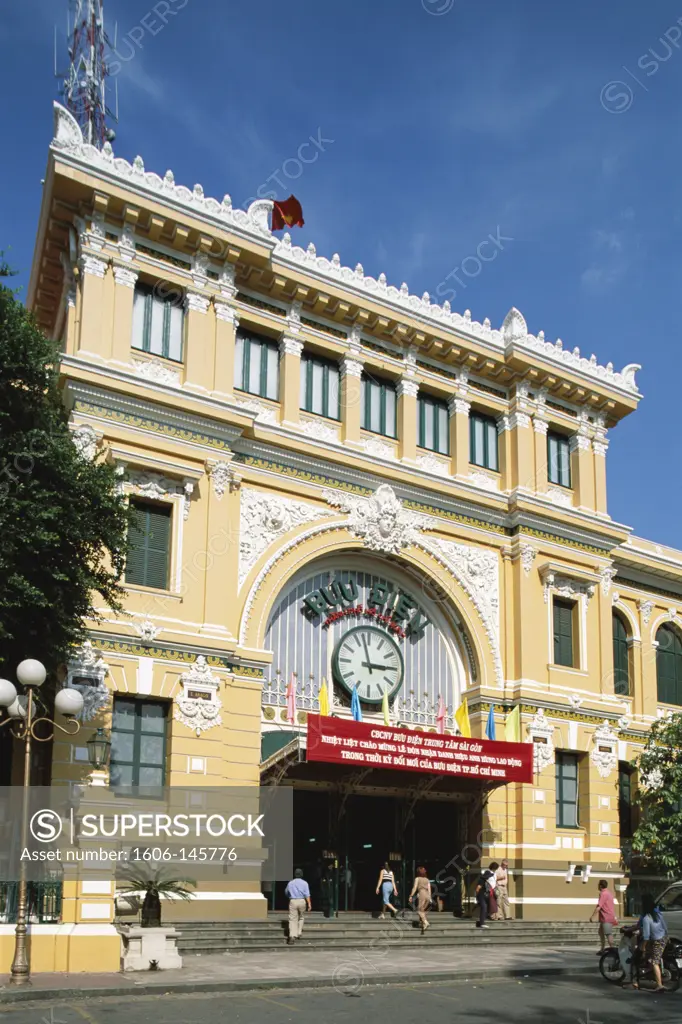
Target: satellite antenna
(83,85)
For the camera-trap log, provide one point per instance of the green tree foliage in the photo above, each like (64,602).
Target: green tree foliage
(62,524)
(659,836)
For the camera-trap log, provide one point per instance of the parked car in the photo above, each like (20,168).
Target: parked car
(670,902)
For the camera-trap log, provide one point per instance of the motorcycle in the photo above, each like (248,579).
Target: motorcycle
(629,958)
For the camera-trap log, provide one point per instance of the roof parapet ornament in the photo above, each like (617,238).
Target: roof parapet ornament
(514,327)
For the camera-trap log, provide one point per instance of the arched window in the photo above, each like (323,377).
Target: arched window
(621,656)
(669,665)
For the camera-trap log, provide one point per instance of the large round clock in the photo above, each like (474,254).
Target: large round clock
(368,658)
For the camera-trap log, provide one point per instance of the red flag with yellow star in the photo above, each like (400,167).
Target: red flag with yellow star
(287,213)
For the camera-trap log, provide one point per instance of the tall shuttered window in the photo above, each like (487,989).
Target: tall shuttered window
(434,424)
(148,560)
(558,460)
(483,441)
(564,612)
(138,743)
(669,665)
(566,790)
(378,406)
(257,365)
(621,657)
(625,807)
(158,319)
(319,386)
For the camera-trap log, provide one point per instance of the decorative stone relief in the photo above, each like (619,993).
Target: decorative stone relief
(380,450)
(264,414)
(199,705)
(488,483)
(226,313)
(265,517)
(379,519)
(154,369)
(290,347)
(126,244)
(146,630)
(319,431)
(85,440)
(604,754)
(86,672)
(646,608)
(565,587)
(608,575)
(541,733)
(575,700)
(559,497)
(153,485)
(223,478)
(528,556)
(430,464)
(478,568)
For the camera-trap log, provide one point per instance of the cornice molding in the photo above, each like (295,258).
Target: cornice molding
(253,224)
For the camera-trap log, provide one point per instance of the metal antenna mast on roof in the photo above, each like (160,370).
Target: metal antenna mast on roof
(83,86)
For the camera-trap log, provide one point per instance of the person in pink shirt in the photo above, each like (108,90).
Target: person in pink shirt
(607,916)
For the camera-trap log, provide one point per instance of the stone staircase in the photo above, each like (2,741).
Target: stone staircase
(359,931)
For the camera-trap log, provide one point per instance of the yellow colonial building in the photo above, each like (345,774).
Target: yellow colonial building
(309,452)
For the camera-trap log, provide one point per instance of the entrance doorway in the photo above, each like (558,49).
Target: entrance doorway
(348,838)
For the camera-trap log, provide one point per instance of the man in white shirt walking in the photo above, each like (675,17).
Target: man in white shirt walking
(502,892)
(298,892)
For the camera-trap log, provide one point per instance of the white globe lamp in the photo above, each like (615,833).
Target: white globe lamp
(31,672)
(18,708)
(8,693)
(68,702)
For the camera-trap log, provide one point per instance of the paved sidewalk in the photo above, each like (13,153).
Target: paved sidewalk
(346,970)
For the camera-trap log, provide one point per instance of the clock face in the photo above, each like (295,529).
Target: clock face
(368,658)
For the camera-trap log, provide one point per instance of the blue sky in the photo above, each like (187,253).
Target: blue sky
(450,121)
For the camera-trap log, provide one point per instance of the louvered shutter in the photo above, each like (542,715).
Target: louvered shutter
(563,633)
(669,666)
(621,667)
(147,563)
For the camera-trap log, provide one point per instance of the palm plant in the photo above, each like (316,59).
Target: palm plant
(155,884)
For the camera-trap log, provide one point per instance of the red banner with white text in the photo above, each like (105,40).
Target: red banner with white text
(341,741)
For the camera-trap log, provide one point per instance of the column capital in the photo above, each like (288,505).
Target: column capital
(519,419)
(125,276)
(579,442)
(540,426)
(92,265)
(407,386)
(600,448)
(224,311)
(289,346)
(459,406)
(196,303)
(351,367)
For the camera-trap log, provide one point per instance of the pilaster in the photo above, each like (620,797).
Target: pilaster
(540,428)
(125,279)
(226,327)
(92,334)
(582,466)
(600,446)
(407,418)
(197,344)
(290,349)
(222,569)
(522,441)
(351,389)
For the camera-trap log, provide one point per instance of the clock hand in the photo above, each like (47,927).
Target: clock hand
(382,668)
(366,664)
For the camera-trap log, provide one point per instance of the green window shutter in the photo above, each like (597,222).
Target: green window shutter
(149,543)
(669,666)
(563,633)
(621,662)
